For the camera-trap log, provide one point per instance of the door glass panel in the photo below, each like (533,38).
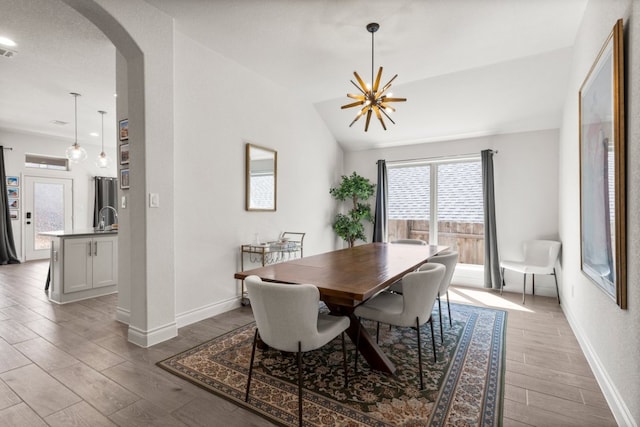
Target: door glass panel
(48,211)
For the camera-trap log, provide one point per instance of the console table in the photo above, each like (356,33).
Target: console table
(289,246)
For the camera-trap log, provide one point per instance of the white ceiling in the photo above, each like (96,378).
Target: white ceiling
(467,67)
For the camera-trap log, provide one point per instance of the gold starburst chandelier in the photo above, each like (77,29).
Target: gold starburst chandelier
(372,99)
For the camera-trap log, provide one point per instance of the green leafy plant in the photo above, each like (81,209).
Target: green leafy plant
(358,190)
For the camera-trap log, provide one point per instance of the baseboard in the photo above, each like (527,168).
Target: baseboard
(614,399)
(152,337)
(123,315)
(210,310)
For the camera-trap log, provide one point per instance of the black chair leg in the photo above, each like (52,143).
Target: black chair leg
(420,351)
(502,285)
(300,383)
(355,365)
(440,315)
(253,353)
(433,341)
(533,284)
(344,362)
(557,289)
(449,308)
(524,286)
(377,332)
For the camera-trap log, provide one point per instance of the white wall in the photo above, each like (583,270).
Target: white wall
(526,187)
(608,335)
(219,107)
(82,174)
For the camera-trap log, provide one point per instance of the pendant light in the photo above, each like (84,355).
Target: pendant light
(76,153)
(103,161)
(370,98)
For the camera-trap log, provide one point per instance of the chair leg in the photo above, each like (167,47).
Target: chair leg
(433,341)
(556,279)
(253,352)
(355,365)
(524,286)
(449,308)
(344,362)
(377,332)
(533,284)
(420,351)
(502,285)
(440,315)
(300,383)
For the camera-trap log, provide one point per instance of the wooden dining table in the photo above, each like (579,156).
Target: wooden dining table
(348,277)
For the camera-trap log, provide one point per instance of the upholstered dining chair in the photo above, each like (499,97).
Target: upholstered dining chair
(540,257)
(287,319)
(397,286)
(449,259)
(412,308)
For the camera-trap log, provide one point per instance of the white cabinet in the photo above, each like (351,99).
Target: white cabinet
(90,263)
(84,264)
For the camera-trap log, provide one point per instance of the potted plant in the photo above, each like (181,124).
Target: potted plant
(358,190)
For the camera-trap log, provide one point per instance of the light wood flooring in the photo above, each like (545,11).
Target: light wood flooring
(71,365)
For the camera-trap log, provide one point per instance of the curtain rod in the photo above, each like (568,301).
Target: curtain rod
(456,157)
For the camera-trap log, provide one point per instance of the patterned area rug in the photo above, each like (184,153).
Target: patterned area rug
(464,387)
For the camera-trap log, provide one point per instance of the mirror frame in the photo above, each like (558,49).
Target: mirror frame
(249,147)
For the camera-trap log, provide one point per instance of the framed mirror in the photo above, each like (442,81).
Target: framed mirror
(261,178)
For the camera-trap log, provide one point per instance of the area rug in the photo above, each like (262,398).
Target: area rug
(463,388)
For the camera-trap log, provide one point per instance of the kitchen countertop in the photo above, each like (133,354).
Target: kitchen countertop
(77,233)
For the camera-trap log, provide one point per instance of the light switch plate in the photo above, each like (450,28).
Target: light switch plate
(123,203)
(154,200)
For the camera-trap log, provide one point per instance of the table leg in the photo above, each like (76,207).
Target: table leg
(369,349)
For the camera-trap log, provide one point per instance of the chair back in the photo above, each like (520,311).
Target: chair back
(541,253)
(419,292)
(449,259)
(285,314)
(410,242)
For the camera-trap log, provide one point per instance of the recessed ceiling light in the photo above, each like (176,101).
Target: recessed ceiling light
(94,134)
(59,122)
(7,41)
(115,95)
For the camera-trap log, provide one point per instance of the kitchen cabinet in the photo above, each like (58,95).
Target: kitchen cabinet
(83,265)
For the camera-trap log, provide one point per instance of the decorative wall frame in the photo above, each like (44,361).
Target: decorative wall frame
(13,181)
(123,129)
(124,179)
(14,214)
(602,171)
(13,192)
(124,154)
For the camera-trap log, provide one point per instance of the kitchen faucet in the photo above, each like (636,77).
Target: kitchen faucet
(115,213)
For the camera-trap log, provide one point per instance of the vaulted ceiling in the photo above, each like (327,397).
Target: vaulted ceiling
(467,67)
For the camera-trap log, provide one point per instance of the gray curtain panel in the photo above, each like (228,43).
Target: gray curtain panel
(491,258)
(7,244)
(380,220)
(106,194)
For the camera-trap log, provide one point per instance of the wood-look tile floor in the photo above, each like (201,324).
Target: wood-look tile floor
(71,365)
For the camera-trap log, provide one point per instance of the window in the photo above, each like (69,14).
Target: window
(46,162)
(439,202)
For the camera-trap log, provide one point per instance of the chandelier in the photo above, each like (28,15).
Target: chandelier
(372,99)
(103,160)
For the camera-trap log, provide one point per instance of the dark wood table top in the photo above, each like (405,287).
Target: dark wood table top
(346,277)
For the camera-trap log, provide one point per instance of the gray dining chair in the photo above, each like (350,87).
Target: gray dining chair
(449,259)
(287,319)
(397,286)
(412,308)
(540,257)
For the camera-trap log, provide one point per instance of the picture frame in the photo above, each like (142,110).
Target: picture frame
(13,192)
(124,154)
(123,129)
(602,171)
(124,179)
(13,181)
(14,214)
(14,203)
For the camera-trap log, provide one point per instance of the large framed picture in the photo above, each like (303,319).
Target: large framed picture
(602,171)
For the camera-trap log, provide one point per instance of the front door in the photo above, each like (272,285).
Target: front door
(48,207)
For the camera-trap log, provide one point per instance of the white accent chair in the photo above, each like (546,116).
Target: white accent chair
(540,257)
(449,259)
(397,286)
(287,319)
(412,308)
